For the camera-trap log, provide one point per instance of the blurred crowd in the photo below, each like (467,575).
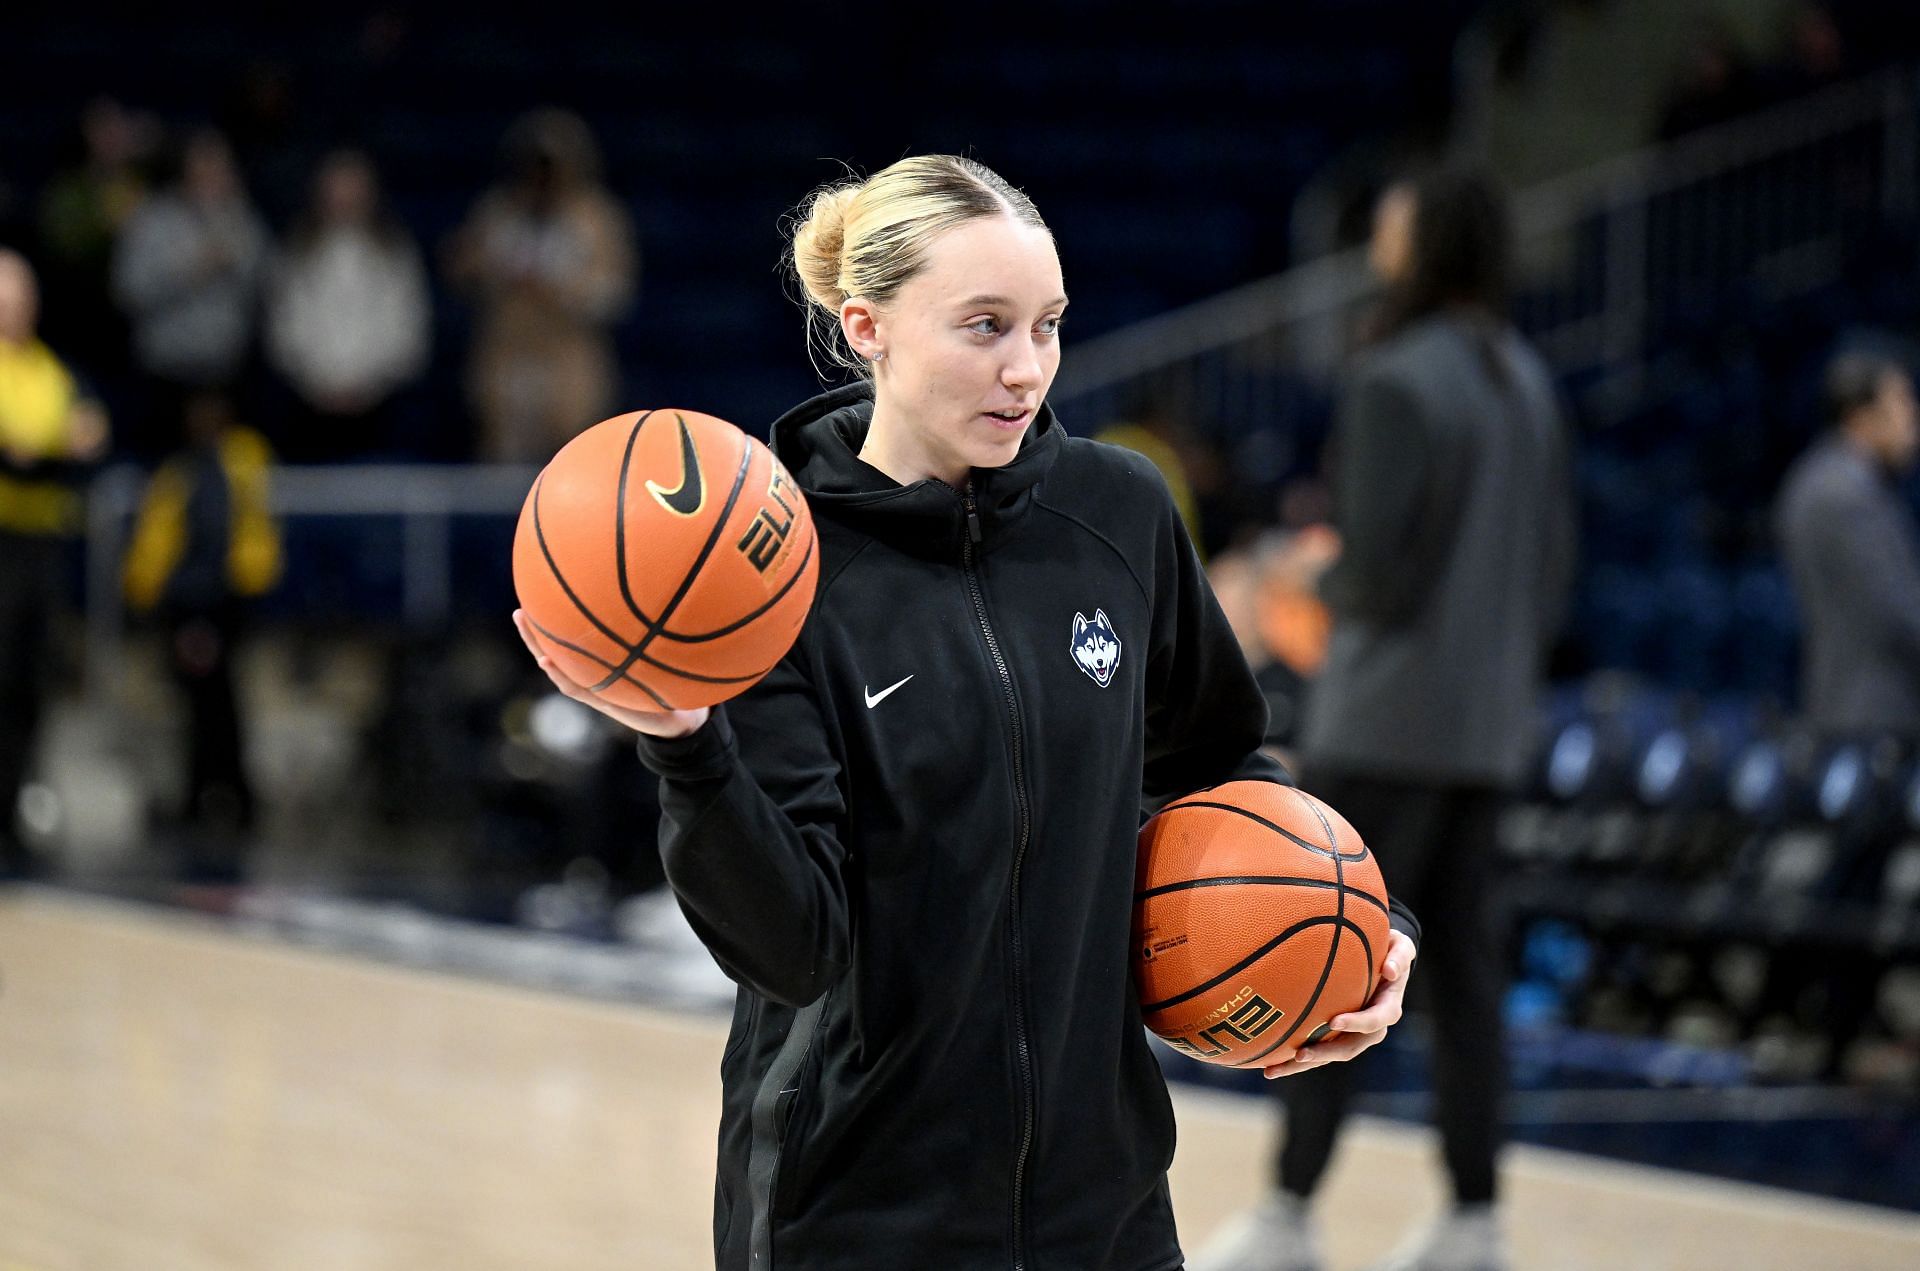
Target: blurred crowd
(170,267)
(206,303)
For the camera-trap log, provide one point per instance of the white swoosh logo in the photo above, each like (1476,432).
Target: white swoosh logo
(874,699)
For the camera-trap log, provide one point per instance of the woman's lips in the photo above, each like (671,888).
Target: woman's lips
(1005,423)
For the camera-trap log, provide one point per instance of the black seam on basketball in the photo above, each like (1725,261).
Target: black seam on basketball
(1319,920)
(615,670)
(540,536)
(598,661)
(1333,840)
(1339,874)
(1340,912)
(1281,830)
(1365,944)
(813,537)
(766,670)
(1366,952)
(1256,880)
(620,524)
(637,652)
(1252,1061)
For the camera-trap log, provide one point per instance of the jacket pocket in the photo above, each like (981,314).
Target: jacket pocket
(778,1119)
(796,1112)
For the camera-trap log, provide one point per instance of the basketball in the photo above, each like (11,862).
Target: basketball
(665,559)
(1258,915)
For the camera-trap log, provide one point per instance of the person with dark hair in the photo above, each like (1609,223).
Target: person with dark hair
(348,318)
(1852,554)
(1453,500)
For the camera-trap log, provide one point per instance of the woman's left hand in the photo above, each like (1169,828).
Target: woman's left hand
(1357,1030)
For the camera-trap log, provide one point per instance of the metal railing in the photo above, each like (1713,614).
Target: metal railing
(423,499)
(1603,255)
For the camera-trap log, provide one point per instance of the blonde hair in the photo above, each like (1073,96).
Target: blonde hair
(868,238)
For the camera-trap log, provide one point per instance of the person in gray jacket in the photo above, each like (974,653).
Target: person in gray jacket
(187,272)
(1453,499)
(1853,554)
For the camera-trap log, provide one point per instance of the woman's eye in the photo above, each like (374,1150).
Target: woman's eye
(1051,326)
(986,326)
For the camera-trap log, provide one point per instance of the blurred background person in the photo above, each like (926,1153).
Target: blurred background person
(204,545)
(188,273)
(83,209)
(1295,625)
(49,434)
(1269,590)
(1452,500)
(1853,554)
(1153,431)
(348,320)
(270,127)
(548,255)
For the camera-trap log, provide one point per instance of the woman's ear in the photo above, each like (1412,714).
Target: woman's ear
(860,323)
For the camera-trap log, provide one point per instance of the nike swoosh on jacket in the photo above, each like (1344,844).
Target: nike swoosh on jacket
(874,699)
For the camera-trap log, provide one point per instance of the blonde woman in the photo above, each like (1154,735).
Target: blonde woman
(913,844)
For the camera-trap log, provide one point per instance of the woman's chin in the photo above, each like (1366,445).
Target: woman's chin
(995,451)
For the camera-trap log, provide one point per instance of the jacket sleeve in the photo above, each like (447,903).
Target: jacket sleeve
(1206,716)
(159,539)
(751,812)
(1401,919)
(1381,491)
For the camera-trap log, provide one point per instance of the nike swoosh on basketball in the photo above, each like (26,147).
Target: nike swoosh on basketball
(686,499)
(874,699)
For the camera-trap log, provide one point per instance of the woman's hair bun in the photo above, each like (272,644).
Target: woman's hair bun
(820,243)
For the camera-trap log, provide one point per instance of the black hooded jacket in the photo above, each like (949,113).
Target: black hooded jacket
(912,845)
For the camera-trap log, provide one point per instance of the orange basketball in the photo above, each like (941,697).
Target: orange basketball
(665,559)
(1258,915)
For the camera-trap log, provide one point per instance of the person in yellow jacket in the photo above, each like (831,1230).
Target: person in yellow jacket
(204,544)
(50,432)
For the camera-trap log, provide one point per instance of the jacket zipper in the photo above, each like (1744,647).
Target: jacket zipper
(1023,1045)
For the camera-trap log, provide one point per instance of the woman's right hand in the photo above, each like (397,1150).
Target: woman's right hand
(652,723)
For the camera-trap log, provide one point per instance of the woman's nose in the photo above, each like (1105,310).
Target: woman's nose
(1023,367)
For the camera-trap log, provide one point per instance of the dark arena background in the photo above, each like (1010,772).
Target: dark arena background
(331,937)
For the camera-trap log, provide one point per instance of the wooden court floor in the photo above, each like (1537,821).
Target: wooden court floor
(175,1096)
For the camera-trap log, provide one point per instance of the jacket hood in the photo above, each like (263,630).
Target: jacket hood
(819,441)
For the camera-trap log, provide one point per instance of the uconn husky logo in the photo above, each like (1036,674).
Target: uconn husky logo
(1096,647)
